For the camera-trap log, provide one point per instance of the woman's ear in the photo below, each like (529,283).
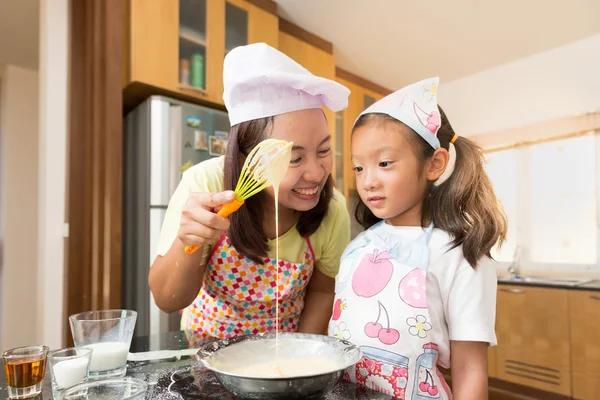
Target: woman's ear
(437,164)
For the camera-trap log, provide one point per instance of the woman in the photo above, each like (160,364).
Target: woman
(228,287)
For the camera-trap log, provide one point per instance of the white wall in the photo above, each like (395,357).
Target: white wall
(53,106)
(547,94)
(19,192)
(33,172)
(562,82)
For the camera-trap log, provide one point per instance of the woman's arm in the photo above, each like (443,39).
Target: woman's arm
(318,303)
(176,278)
(469,364)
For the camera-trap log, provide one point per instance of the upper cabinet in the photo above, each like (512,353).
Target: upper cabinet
(192,38)
(363,94)
(314,54)
(177,47)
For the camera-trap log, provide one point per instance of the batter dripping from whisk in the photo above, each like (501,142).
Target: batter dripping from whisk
(251,273)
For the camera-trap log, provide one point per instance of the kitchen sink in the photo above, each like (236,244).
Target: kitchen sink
(545,280)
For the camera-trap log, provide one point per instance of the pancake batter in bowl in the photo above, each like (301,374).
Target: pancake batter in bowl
(278,357)
(285,368)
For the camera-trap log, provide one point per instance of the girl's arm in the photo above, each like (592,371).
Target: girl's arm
(318,303)
(469,364)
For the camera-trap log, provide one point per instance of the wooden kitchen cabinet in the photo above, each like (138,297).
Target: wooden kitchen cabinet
(492,362)
(533,337)
(178,46)
(314,54)
(585,344)
(363,94)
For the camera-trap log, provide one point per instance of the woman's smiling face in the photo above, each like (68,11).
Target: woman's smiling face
(311,161)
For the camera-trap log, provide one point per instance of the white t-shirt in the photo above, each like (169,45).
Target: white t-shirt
(461,300)
(461,296)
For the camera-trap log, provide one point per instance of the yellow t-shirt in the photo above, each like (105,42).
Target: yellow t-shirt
(328,242)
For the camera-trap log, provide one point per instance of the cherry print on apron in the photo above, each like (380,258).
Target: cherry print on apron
(385,312)
(387,335)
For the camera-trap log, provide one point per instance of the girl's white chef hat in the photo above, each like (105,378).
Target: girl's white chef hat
(416,106)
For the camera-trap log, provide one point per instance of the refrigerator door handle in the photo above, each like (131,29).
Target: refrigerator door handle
(175,140)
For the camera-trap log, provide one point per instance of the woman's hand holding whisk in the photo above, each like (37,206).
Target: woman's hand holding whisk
(200,223)
(176,278)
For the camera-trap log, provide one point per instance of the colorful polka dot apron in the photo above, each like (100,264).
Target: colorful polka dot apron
(238,295)
(381,306)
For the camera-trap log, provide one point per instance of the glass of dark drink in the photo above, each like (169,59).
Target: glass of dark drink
(24,368)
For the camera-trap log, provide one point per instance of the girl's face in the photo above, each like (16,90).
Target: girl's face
(311,161)
(389,177)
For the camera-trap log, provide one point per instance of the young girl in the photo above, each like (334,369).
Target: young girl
(229,286)
(412,290)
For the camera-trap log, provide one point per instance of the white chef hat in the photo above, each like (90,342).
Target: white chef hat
(416,106)
(260,81)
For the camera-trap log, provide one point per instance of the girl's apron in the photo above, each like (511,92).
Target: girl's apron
(381,306)
(238,295)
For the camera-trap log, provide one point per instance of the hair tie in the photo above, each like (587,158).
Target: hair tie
(451,162)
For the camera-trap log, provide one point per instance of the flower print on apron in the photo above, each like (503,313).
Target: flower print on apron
(238,295)
(381,306)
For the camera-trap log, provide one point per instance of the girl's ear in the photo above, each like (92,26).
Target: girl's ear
(437,164)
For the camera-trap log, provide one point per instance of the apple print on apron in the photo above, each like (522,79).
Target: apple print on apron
(372,274)
(381,304)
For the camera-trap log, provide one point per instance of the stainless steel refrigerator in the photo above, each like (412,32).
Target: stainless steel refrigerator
(162,138)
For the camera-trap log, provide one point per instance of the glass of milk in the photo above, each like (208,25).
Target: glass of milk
(69,367)
(108,333)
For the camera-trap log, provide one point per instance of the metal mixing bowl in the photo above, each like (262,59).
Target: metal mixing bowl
(301,387)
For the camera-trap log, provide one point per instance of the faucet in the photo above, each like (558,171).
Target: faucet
(514,267)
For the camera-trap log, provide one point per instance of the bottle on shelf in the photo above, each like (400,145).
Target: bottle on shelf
(198,70)
(184,71)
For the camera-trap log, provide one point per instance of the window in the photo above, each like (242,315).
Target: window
(548,191)
(502,170)
(563,201)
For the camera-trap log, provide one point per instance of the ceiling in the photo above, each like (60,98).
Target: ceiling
(390,42)
(19,32)
(396,42)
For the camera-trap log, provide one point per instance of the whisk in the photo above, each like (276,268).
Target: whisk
(265,166)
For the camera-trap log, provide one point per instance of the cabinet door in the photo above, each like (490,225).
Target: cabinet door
(360,98)
(317,61)
(355,106)
(194,60)
(246,23)
(584,308)
(585,387)
(153,43)
(339,154)
(263,26)
(179,45)
(243,23)
(492,362)
(236,24)
(533,338)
